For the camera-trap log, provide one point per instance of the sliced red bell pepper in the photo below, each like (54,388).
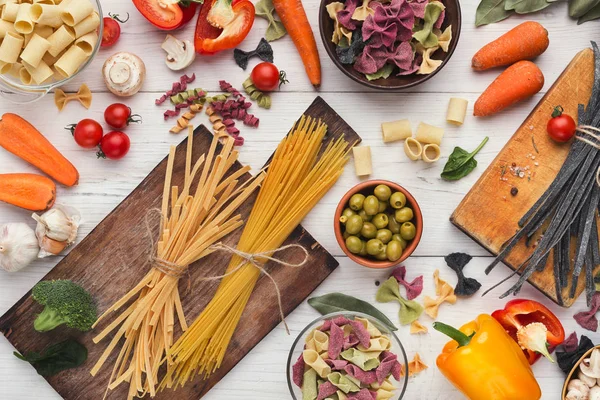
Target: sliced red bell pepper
(223,24)
(167,14)
(521,319)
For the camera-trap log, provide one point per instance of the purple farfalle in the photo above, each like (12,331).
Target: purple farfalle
(325,390)
(414,288)
(418,7)
(298,371)
(365,377)
(571,343)
(345,16)
(380,34)
(587,319)
(336,341)
(371,59)
(403,57)
(396,17)
(400,11)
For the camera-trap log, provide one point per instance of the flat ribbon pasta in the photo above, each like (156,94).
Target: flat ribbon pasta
(83,95)
(444,293)
(339,31)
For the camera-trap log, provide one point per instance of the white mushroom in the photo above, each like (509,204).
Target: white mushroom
(180,54)
(591,366)
(575,394)
(594,393)
(588,380)
(124,74)
(578,390)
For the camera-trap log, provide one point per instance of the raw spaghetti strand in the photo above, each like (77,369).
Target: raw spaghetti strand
(297,178)
(189,225)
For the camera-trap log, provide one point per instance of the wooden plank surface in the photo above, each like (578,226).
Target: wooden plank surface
(113,258)
(489,213)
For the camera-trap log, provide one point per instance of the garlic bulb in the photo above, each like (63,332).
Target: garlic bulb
(18,246)
(56,229)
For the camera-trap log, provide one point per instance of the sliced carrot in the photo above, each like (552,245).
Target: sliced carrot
(292,15)
(23,140)
(518,82)
(29,191)
(524,42)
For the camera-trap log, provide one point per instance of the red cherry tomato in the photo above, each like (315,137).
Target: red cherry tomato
(561,127)
(119,116)
(112,29)
(266,77)
(115,145)
(87,133)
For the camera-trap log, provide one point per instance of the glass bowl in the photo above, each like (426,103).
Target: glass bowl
(12,89)
(298,347)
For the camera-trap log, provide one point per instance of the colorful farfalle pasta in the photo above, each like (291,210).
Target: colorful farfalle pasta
(357,362)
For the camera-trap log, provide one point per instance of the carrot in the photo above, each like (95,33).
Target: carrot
(524,42)
(292,15)
(28,191)
(518,82)
(23,140)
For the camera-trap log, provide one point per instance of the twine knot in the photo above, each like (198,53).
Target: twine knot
(589,130)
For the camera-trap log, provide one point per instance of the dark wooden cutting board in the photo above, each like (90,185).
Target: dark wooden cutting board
(489,213)
(112,259)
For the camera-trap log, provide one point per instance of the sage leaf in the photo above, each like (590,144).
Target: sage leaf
(490,11)
(337,302)
(591,15)
(578,8)
(56,358)
(526,6)
(461,163)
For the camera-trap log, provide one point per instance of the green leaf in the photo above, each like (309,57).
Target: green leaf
(336,302)
(461,163)
(425,36)
(490,11)
(591,15)
(57,357)
(578,8)
(275,29)
(384,73)
(526,6)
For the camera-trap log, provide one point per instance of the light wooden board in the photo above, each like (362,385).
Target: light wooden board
(489,213)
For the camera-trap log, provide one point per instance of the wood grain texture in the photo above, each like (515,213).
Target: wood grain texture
(113,258)
(489,213)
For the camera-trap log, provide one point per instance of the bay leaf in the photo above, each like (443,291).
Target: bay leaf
(591,15)
(490,11)
(578,8)
(339,302)
(525,6)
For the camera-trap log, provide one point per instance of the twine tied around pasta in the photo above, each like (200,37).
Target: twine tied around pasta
(83,95)
(587,130)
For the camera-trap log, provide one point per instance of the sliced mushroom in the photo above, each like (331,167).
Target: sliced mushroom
(594,393)
(124,74)
(588,380)
(578,388)
(591,366)
(575,394)
(180,54)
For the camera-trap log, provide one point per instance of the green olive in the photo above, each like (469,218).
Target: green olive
(354,244)
(371,205)
(393,250)
(364,216)
(398,200)
(381,220)
(408,231)
(356,201)
(382,192)
(385,235)
(374,247)
(394,225)
(399,238)
(368,231)
(363,250)
(345,235)
(382,206)
(354,224)
(404,214)
(382,256)
(348,212)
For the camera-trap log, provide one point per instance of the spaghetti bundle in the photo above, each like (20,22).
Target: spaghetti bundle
(190,224)
(297,178)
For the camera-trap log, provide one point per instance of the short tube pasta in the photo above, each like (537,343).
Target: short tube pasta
(43,2)
(5,67)
(70,62)
(76,11)
(10,49)
(431,153)
(43,30)
(413,149)
(87,43)
(316,362)
(25,76)
(10,11)
(46,14)
(362,160)
(429,134)
(396,130)
(457,110)
(23,22)
(5,27)
(88,25)
(60,39)
(35,50)
(14,69)
(39,74)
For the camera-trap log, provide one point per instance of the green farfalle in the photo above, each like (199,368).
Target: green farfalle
(310,389)
(425,36)
(262,99)
(384,72)
(389,291)
(266,10)
(343,383)
(363,360)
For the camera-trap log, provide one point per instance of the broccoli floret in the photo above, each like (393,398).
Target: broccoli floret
(65,303)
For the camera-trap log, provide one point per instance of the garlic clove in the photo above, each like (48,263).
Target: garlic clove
(49,247)
(57,229)
(18,246)
(180,54)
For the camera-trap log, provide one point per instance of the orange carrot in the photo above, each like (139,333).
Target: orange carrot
(518,82)
(28,191)
(292,15)
(524,42)
(23,140)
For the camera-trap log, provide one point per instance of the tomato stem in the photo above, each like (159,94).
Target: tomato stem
(71,128)
(282,78)
(557,112)
(117,18)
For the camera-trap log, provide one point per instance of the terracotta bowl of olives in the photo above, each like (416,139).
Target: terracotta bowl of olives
(378,224)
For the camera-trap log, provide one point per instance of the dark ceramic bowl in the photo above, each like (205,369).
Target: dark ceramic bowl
(453,17)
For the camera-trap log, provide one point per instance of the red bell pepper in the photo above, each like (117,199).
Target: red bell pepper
(533,326)
(167,14)
(223,24)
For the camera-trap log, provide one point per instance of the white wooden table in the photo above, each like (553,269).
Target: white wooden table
(261,375)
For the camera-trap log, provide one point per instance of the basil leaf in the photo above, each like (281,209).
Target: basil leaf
(57,357)
(490,11)
(526,6)
(593,14)
(336,302)
(578,8)
(461,163)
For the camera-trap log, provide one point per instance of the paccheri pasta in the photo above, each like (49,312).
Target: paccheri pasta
(362,160)
(429,134)
(396,130)
(457,110)
(45,40)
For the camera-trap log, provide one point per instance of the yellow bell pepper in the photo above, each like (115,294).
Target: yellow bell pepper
(485,363)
